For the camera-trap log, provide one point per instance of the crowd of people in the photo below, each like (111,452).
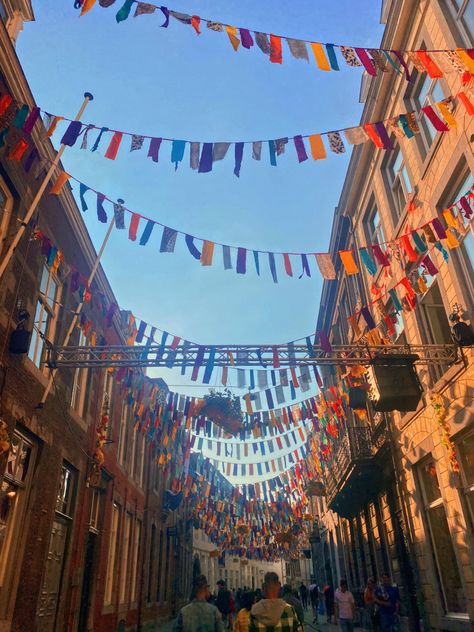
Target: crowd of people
(277,608)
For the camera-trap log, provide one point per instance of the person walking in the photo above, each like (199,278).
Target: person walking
(199,615)
(242,621)
(304,595)
(369,604)
(329,601)
(344,607)
(314,600)
(387,598)
(225,603)
(291,597)
(273,614)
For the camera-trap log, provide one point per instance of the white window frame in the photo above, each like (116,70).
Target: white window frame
(79,382)
(112,554)
(428,133)
(94,515)
(458,14)
(374,234)
(395,181)
(47,310)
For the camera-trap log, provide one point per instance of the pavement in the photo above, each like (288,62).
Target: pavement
(309,626)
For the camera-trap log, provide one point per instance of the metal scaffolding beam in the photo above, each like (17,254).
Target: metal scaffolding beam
(245,356)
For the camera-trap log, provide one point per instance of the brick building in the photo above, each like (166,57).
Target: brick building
(78,550)
(393,501)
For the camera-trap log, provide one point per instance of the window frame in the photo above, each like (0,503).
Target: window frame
(43,307)
(110,575)
(467,488)
(126,542)
(457,14)
(9,561)
(428,505)
(79,382)
(393,180)
(428,136)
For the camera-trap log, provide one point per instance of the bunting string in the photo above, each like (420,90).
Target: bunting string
(372,60)
(204,154)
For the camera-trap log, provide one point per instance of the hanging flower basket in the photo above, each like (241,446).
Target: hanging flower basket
(224,410)
(214,553)
(243,529)
(315,488)
(244,562)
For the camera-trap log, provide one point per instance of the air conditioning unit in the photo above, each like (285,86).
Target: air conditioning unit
(393,383)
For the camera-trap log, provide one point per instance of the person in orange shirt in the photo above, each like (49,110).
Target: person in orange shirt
(243,617)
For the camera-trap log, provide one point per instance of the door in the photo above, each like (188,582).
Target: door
(52,577)
(87,581)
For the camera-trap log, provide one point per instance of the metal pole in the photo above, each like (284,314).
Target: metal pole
(78,311)
(29,214)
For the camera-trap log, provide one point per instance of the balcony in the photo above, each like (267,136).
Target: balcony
(355,470)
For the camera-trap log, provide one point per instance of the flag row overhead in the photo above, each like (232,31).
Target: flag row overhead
(203,155)
(327,57)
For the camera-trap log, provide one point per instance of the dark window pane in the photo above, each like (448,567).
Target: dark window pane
(429,480)
(455,600)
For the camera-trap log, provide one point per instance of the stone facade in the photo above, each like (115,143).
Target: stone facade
(393,500)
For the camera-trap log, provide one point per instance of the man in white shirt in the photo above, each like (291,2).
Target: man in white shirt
(345,607)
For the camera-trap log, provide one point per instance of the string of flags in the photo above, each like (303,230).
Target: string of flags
(327,57)
(203,155)
(372,256)
(235,451)
(262,468)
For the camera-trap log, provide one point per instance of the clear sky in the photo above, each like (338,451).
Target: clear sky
(169,82)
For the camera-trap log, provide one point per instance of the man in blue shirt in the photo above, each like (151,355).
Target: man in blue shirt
(387,598)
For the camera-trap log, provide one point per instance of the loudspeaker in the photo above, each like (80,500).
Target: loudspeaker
(463,334)
(357,398)
(19,341)
(394,383)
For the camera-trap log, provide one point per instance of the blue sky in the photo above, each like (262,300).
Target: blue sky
(171,83)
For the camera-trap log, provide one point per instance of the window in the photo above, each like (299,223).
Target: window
(373,224)
(160,566)
(151,565)
(399,183)
(65,497)
(140,457)
(46,314)
(434,325)
(427,91)
(465,448)
(125,558)
(108,392)
(122,440)
(449,580)
(79,382)
(112,554)
(135,556)
(94,516)
(13,496)
(6,199)
(464,255)
(463,12)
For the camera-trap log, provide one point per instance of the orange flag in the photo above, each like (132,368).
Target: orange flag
(318,150)
(431,68)
(87,6)
(348,262)
(320,56)
(234,40)
(60,182)
(207,253)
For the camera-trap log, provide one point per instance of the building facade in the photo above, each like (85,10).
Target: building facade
(87,541)
(394,502)
(236,572)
